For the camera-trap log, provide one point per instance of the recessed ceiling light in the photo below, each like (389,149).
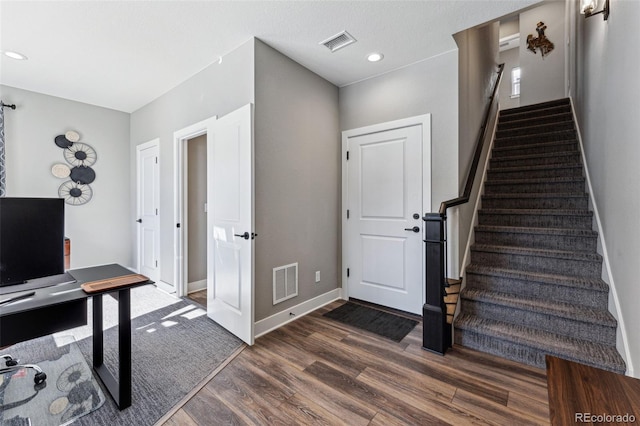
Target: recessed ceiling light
(15,55)
(375,57)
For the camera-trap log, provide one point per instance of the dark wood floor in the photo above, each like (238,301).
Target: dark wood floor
(199,297)
(318,371)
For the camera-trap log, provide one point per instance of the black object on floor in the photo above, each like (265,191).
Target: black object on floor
(381,323)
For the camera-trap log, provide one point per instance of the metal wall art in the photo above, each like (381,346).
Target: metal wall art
(541,42)
(81,157)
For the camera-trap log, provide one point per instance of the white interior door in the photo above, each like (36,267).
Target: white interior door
(149,209)
(384,229)
(230,279)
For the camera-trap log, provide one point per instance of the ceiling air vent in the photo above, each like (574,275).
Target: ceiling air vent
(338,41)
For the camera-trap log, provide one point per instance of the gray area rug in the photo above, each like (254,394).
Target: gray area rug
(174,347)
(69,392)
(381,323)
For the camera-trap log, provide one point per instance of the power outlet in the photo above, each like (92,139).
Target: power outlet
(317,276)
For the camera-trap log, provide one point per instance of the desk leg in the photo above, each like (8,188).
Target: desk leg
(98,342)
(119,390)
(124,346)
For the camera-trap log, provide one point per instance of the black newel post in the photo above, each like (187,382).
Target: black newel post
(436,334)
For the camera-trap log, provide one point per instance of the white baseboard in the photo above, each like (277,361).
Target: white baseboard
(275,321)
(196,286)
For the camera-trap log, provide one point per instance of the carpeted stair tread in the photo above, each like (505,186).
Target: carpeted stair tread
(510,195)
(524,181)
(527,251)
(528,119)
(538,231)
(594,284)
(536,129)
(531,340)
(547,307)
(536,107)
(532,137)
(533,156)
(570,143)
(550,212)
(532,167)
(518,113)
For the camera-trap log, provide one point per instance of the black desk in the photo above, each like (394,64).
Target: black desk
(64,306)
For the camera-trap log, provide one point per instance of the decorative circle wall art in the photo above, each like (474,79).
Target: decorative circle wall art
(60,170)
(74,193)
(81,156)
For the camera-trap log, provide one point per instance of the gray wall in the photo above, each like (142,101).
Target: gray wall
(608,104)
(197,217)
(216,90)
(297,175)
(99,230)
(430,86)
(543,79)
(478,52)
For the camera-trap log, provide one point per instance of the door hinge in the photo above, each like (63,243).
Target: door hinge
(156,160)
(156,212)
(347,155)
(348,272)
(156,263)
(347,213)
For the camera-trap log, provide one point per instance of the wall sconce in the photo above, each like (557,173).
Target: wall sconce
(587,8)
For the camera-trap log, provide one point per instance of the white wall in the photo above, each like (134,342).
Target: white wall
(543,79)
(216,90)
(608,104)
(99,230)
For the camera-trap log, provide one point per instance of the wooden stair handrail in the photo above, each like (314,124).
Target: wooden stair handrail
(466,194)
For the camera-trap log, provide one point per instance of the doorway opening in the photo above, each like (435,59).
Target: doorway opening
(191,213)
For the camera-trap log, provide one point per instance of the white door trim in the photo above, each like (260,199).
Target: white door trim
(139,148)
(180,138)
(421,120)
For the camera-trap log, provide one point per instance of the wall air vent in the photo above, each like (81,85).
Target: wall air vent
(285,282)
(338,41)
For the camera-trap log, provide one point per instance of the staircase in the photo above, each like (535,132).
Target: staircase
(533,286)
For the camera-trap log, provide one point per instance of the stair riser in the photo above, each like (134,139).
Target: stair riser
(595,333)
(559,159)
(535,221)
(534,120)
(567,203)
(541,187)
(539,290)
(560,136)
(547,128)
(536,149)
(515,352)
(538,241)
(564,172)
(545,265)
(529,109)
(506,117)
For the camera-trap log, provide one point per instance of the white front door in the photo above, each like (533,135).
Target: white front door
(384,229)
(230,279)
(149,209)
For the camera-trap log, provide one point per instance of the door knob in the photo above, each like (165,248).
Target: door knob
(246,235)
(139,220)
(414,229)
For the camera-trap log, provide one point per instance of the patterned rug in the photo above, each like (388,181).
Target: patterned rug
(69,392)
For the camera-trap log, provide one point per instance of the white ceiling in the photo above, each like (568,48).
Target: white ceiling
(124,54)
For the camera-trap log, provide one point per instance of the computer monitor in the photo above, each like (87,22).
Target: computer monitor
(31,239)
